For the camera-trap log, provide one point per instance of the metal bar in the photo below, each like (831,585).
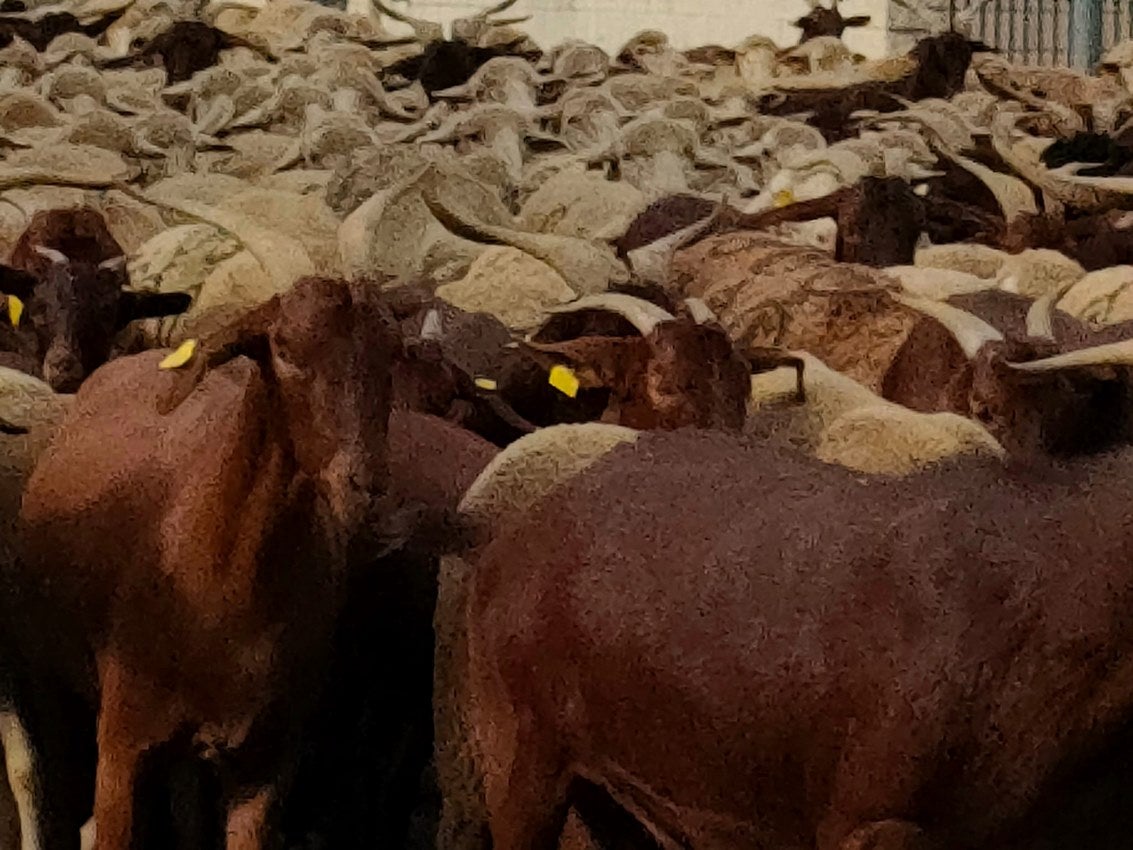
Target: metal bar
(1012,44)
(1040,19)
(1028,33)
(1085,33)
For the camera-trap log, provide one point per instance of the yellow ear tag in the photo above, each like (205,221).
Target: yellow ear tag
(563,380)
(15,310)
(180,357)
(485,383)
(783,198)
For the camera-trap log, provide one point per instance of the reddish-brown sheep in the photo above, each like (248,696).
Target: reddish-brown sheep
(228,502)
(864,661)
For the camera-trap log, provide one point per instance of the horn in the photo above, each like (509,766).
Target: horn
(51,254)
(422,29)
(1040,316)
(495,10)
(431,327)
(640,313)
(700,312)
(114,264)
(1111,354)
(970,331)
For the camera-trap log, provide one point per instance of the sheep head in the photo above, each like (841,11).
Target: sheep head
(1033,398)
(73,289)
(821,21)
(660,370)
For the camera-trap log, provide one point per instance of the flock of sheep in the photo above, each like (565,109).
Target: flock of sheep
(928,254)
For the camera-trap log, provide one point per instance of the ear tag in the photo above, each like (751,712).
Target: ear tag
(563,380)
(783,198)
(485,383)
(180,356)
(15,310)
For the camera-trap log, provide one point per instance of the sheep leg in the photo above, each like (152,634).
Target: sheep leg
(21,769)
(87,835)
(129,725)
(248,820)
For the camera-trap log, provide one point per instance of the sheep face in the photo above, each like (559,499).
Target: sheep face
(1069,411)
(820,21)
(680,374)
(74,274)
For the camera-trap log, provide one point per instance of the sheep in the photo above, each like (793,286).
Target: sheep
(511,483)
(445,63)
(1002,359)
(1101,296)
(770,294)
(73,285)
(843,422)
(821,21)
(30,412)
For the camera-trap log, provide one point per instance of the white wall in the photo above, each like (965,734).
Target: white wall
(688,23)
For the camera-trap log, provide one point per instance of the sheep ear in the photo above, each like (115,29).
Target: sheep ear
(150,305)
(597,360)
(857,21)
(16,282)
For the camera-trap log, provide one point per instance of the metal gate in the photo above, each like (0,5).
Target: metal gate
(1050,32)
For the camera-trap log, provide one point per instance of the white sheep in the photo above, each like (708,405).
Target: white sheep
(845,423)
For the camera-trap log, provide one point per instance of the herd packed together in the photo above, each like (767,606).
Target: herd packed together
(438,441)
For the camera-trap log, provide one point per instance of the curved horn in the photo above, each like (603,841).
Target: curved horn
(1040,317)
(970,331)
(51,254)
(640,313)
(114,264)
(1111,354)
(424,30)
(495,10)
(700,312)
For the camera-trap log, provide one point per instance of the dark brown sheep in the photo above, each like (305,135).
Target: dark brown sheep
(982,372)
(72,283)
(821,21)
(359,788)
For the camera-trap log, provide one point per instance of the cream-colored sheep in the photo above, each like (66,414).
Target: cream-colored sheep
(1104,296)
(970,258)
(845,423)
(1035,272)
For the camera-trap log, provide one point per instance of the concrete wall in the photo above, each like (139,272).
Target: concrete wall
(688,23)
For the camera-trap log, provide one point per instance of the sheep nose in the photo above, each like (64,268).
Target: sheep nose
(62,371)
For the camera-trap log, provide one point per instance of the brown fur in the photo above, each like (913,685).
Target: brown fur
(879,221)
(941,63)
(893,663)
(187,538)
(772,295)
(367,749)
(73,311)
(680,374)
(1068,411)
